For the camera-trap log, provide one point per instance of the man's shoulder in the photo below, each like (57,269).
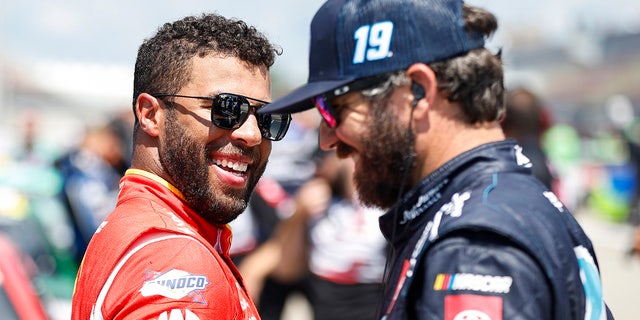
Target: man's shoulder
(152,270)
(142,212)
(131,220)
(512,205)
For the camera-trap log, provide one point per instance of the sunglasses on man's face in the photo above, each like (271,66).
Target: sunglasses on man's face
(229,111)
(323,102)
(326,110)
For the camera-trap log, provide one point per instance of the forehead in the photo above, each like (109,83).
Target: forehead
(216,74)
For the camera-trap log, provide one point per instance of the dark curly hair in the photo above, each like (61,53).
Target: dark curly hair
(475,79)
(163,65)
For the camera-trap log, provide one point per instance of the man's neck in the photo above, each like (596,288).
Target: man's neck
(440,146)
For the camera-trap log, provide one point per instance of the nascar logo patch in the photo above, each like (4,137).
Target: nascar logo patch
(174,284)
(472,282)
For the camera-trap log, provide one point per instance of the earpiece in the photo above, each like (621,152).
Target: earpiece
(418,92)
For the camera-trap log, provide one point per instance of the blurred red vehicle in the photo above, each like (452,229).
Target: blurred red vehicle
(18,298)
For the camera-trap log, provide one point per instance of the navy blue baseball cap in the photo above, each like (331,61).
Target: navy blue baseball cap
(353,39)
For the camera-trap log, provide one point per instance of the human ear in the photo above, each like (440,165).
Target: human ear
(424,87)
(418,92)
(148,112)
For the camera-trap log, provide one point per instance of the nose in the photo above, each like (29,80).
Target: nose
(248,132)
(327,138)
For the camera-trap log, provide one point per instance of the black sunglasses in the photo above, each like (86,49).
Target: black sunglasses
(229,111)
(328,111)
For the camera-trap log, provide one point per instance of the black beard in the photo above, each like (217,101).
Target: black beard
(380,178)
(186,163)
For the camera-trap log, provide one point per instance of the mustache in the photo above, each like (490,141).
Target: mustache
(343,150)
(234,149)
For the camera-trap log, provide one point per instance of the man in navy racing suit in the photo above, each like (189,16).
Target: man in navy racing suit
(409,92)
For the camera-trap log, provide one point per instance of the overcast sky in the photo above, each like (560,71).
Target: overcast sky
(110,31)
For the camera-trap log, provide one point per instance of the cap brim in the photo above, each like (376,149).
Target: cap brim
(300,99)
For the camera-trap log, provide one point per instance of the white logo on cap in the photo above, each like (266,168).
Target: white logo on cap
(373,42)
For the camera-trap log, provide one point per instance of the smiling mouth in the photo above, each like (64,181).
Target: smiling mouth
(237,167)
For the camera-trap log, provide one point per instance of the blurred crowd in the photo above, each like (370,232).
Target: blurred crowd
(52,199)
(304,231)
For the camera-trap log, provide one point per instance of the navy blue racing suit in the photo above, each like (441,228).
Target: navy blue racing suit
(481,238)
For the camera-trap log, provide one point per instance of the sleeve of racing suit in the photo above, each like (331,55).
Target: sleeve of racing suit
(174,277)
(479,276)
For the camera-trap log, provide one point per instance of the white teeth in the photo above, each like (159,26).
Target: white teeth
(236,166)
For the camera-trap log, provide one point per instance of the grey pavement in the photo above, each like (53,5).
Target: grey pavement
(620,272)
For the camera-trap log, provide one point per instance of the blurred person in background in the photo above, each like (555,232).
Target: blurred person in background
(291,164)
(408,90)
(346,251)
(629,130)
(292,161)
(526,120)
(31,150)
(199,151)
(254,226)
(331,247)
(251,229)
(634,213)
(90,174)
(33,219)
(122,125)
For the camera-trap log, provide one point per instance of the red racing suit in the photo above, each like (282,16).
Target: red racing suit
(155,258)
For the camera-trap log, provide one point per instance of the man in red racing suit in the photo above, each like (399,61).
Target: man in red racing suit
(199,151)
(131,278)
